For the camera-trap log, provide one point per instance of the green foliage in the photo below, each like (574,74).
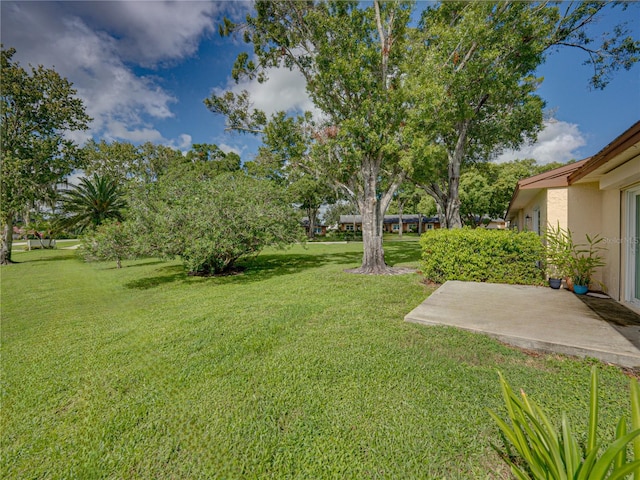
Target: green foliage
(118,161)
(559,251)
(91,202)
(112,240)
(131,165)
(472,84)
(486,187)
(546,453)
(586,259)
(569,259)
(480,255)
(209,160)
(36,109)
(351,57)
(211,223)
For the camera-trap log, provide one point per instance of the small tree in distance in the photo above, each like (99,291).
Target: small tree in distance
(113,240)
(211,223)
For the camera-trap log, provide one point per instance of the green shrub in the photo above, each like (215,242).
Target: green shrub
(112,240)
(496,256)
(213,222)
(543,452)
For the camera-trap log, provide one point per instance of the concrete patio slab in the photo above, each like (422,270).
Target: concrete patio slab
(537,318)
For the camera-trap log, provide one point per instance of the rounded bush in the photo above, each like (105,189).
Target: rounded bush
(480,255)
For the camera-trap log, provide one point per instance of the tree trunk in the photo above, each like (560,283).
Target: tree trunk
(400,209)
(7,241)
(372,208)
(419,224)
(372,223)
(448,198)
(449,212)
(311,215)
(452,211)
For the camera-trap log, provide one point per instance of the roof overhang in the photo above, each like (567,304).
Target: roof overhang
(624,148)
(527,188)
(621,150)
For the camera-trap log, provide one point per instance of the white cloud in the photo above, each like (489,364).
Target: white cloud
(558,142)
(285,90)
(149,32)
(228,148)
(184,142)
(119,131)
(93,44)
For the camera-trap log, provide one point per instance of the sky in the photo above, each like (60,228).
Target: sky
(143,69)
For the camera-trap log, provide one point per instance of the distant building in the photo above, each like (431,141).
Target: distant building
(410,223)
(319,229)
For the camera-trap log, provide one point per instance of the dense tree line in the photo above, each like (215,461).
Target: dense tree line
(420,102)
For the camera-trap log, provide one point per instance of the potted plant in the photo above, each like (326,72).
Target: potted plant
(555,278)
(559,253)
(586,258)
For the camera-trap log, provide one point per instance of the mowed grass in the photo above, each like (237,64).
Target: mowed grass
(293,369)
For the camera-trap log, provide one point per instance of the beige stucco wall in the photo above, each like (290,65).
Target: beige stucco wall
(557,207)
(538,202)
(611,225)
(585,207)
(585,215)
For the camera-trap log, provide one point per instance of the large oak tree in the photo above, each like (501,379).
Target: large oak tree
(351,58)
(472,84)
(37,108)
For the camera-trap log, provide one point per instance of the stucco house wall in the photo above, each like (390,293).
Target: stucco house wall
(557,207)
(611,228)
(594,196)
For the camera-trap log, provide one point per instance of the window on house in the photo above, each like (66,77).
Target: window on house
(317,230)
(536,220)
(429,226)
(349,227)
(396,227)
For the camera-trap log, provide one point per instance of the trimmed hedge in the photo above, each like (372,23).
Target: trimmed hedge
(480,255)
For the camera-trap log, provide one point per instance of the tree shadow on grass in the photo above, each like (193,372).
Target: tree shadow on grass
(260,268)
(174,273)
(267,266)
(145,264)
(48,255)
(402,252)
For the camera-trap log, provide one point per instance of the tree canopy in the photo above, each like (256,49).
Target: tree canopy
(351,59)
(212,222)
(37,110)
(421,101)
(90,203)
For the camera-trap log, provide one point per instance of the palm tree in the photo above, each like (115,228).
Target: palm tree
(91,202)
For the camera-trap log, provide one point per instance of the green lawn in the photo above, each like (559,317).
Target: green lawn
(293,369)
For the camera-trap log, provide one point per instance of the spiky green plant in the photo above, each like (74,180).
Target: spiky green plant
(548,454)
(91,202)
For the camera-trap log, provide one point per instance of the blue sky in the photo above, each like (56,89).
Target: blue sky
(144,68)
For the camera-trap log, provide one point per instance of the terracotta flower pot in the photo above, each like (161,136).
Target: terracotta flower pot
(568,281)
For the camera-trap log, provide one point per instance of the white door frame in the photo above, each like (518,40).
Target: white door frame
(632,293)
